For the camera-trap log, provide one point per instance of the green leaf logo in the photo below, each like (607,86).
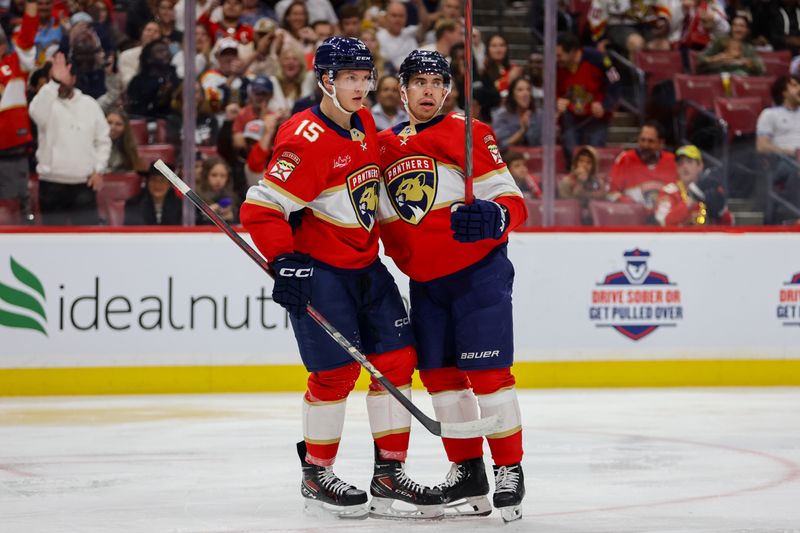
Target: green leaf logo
(30,299)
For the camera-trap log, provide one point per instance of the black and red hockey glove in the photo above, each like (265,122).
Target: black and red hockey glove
(480,220)
(292,289)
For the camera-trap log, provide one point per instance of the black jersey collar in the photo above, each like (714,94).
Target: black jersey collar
(355,122)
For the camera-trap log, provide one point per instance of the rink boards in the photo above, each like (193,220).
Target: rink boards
(124,312)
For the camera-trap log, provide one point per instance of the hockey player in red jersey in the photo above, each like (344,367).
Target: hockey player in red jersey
(313,218)
(461,278)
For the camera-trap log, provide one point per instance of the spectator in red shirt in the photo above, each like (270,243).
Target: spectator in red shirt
(15,132)
(638,175)
(259,93)
(587,88)
(230,25)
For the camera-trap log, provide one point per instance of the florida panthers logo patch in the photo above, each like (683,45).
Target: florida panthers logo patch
(363,188)
(411,183)
(491,145)
(284,166)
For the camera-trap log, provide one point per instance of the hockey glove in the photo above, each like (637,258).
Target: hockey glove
(478,221)
(292,289)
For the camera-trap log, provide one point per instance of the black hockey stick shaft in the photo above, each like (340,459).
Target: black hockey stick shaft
(469,196)
(430,424)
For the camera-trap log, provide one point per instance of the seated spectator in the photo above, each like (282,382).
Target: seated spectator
(293,81)
(296,24)
(447,9)
(165,17)
(695,199)
(262,59)
(255,10)
(498,69)
(225,84)
(71,154)
(518,168)
(396,39)
(316,10)
(778,136)
(518,123)
(638,175)
(693,24)
(349,20)
(389,110)
(150,92)
(583,183)
(87,58)
(156,205)
(587,90)
(732,53)
(124,156)
(128,62)
(448,33)
(202,58)
(200,8)
(139,12)
(784,26)
(259,135)
(230,25)
(626,26)
(369,37)
(259,93)
(215,187)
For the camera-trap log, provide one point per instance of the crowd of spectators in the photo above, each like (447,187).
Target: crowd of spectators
(90,88)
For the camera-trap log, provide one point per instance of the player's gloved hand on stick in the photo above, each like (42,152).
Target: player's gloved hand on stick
(292,289)
(480,220)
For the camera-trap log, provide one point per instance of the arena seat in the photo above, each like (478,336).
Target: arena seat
(776,63)
(139,129)
(659,66)
(207,151)
(754,86)
(10,213)
(150,153)
(741,114)
(617,214)
(534,158)
(111,198)
(702,89)
(566,213)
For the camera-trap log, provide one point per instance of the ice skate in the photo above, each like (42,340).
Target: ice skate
(509,490)
(325,494)
(465,488)
(395,496)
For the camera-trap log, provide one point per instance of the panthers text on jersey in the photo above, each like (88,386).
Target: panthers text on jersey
(423,176)
(331,174)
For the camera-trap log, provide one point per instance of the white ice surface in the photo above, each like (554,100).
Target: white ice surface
(666,460)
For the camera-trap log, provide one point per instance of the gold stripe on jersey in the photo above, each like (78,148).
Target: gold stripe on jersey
(284,192)
(321,441)
(504,433)
(488,175)
(318,403)
(383,392)
(268,205)
(335,222)
(397,431)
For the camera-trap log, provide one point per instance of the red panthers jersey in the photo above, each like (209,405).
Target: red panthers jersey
(329,173)
(422,177)
(14,68)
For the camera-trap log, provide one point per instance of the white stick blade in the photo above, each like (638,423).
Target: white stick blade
(473,428)
(171,176)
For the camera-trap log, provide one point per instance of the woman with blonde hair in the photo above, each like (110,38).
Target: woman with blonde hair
(293,80)
(124,154)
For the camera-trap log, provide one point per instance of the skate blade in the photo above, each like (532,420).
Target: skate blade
(320,509)
(511,513)
(390,509)
(472,506)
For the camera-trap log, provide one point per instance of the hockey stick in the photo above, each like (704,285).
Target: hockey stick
(454,430)
(469,197)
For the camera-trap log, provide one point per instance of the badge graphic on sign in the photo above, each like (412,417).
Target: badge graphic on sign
(411,183)
(636,301)
(284,166)
(363,188)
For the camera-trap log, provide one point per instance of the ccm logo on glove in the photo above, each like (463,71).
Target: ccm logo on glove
(295,272)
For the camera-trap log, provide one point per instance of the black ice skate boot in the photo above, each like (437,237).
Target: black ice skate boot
(324,491)
(396,496)
(465,489)
(509,489)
